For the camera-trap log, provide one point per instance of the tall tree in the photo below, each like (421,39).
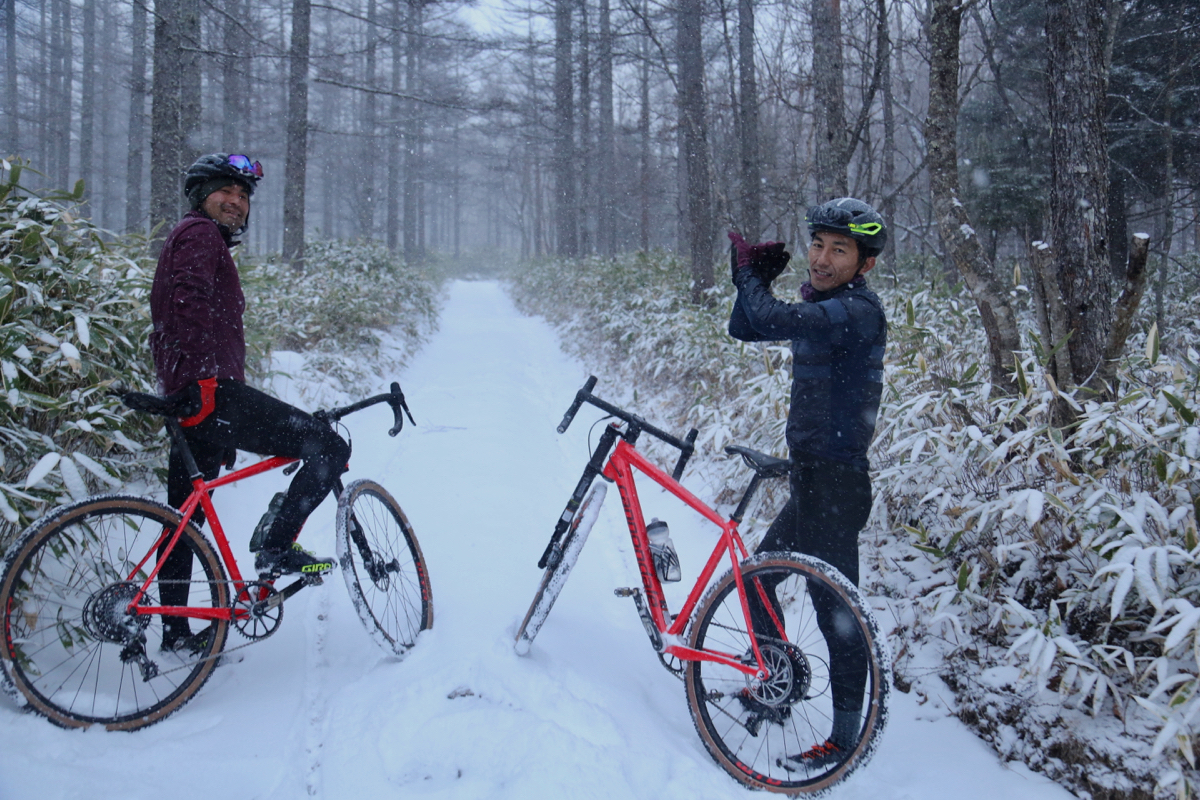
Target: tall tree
(166,132)
(12,129)
(87,97)
(751,164)
(1077,80)
(134,215)
(413,135)
(700,232)
(832,140)
(958,236)
(296,169)
(565,204)
(606,145)
(394,157)
(190,94)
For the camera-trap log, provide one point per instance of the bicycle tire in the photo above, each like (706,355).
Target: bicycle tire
(752,741)
(63,587)
(555,576)
(384,568)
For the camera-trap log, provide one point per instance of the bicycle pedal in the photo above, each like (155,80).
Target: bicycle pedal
(312,579)
(624,591)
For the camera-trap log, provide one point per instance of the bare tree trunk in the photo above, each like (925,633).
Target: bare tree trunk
(1077,81)
(751,189)
(166,136)
(584,153)
(701,233)
(11,108)
(135,219)
(565,213)
(829,96)
(1164,263)
(395,162)
(87,99)
(962,244)
(1125,311)
(364,214)
(296,169)
(190,98)
(644,137)
(888,207)
(607,155)
(65,59)
(412,137)
(234,86)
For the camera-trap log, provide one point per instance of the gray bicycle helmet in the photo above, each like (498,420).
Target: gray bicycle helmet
(215,170)
(851,217)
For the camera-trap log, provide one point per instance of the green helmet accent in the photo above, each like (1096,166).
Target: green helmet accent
(852,217)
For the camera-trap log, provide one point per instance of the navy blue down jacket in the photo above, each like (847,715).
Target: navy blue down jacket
(838,341)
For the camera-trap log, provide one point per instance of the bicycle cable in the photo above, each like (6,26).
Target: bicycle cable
(592,429)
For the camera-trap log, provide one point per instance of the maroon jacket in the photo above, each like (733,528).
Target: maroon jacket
(196,304)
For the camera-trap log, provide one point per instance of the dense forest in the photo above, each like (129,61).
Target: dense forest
(593,126)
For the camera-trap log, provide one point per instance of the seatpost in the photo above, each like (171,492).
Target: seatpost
(742,506)
(189,461)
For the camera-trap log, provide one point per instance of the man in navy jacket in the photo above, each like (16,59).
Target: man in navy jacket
(199,349)
(838,336)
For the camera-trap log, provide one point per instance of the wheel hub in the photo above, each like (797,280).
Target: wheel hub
(106,614)
(790,675)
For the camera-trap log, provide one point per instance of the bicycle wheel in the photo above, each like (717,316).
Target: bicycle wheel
(555,576)
(750,727)
(384,570)
(70,650)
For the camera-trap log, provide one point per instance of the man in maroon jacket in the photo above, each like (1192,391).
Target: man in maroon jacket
(199,350)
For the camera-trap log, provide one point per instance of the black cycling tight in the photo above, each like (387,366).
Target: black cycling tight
(830,504)
(247,419)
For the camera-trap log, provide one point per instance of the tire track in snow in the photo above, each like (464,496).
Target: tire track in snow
(314,702)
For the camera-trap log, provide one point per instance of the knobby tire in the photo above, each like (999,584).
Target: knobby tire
(555,576)
(392,596)
(752,739)
(63,594)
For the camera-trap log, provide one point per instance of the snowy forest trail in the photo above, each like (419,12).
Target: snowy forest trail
(318,711)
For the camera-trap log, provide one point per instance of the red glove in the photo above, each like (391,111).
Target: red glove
(767,259)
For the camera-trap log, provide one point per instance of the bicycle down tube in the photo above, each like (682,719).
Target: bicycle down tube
(624,459)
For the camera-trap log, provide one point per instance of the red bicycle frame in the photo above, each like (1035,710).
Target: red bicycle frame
(201,496)
(620,469)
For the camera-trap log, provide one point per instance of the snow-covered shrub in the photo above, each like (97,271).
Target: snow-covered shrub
(1047,572)
(339,308)
(73,320)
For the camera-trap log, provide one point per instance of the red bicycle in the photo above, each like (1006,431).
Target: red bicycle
(748,645)
(82,622)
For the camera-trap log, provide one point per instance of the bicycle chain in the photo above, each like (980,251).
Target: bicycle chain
(224,650)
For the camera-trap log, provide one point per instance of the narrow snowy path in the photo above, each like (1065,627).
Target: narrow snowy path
(317,710)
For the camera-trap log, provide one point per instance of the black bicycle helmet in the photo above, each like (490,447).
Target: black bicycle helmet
(209,173)
(851,217)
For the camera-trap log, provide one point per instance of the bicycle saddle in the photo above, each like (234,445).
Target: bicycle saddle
(181,404)
(766,466)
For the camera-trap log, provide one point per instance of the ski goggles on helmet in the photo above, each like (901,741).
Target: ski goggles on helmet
(837,217)
(245,166)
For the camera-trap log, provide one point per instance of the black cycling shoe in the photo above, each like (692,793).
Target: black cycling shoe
(760,712)
(290,560)
(185,643)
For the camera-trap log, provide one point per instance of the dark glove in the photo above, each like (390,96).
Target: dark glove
(229,457)
(767,260)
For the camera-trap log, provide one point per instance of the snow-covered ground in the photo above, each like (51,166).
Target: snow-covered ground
(317,710)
